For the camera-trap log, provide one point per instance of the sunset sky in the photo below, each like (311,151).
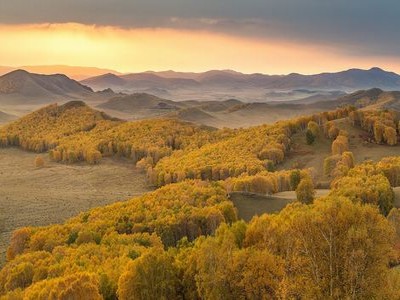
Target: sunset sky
(268,36)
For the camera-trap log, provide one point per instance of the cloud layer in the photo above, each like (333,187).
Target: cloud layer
(356,27)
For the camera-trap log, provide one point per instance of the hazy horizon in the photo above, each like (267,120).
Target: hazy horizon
(270,37)
(46,69)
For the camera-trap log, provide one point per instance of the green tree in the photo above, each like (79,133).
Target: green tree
(305,191)
(295,177)
(310,137)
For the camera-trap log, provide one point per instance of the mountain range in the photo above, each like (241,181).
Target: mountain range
(21,92)
(350,80)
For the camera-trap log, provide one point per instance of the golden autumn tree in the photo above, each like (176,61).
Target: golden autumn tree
(73,287)
(379,130)
(348,246)
(225,270)
(305,191)
(366,183)
(390,136)
(19,240)
(314,128)
(332,249)
(340,145)
(152,276)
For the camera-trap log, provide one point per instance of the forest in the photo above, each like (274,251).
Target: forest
(185,240)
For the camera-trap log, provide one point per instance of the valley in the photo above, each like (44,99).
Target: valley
(119,180)
(199,150)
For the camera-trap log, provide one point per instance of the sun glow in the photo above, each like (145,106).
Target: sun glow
(131,50)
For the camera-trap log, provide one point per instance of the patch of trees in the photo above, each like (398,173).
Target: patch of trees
(267,183)
(104,240)
(334,248)
(382,125)
(168,150)
(341,160)
(249,152)
(330,130)
(73,133)
(390,166)
(366,183)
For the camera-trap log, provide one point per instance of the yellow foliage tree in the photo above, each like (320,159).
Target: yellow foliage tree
(152,276)
(305,191)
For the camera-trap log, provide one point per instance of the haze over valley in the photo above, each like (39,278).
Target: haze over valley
(215,98)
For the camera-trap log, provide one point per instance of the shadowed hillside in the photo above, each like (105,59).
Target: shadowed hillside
(20,87)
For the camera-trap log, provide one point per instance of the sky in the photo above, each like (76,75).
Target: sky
(266,36)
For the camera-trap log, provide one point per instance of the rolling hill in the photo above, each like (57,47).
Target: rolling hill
(373,99)
(20,87)
(233,113)
(141,81)
(139,101)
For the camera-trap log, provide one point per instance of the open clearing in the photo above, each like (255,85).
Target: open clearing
(31,196)
(250,205)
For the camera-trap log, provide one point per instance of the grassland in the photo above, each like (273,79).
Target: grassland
(250,205)
(33,196)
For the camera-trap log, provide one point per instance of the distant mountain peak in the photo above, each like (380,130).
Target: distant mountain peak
(377,69)
(19,71)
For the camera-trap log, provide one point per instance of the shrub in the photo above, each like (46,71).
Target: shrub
(310,138)
(39,162)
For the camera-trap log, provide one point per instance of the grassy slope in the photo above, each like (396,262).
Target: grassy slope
(312,156)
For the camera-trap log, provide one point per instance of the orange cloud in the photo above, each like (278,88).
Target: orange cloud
(134,50)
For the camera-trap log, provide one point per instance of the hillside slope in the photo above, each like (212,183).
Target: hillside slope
(139,101)
(372,99)
(20,87)
(75,132)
